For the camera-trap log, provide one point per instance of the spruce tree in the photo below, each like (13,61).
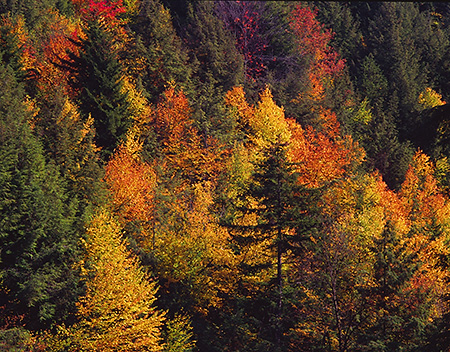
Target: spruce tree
(218,67)
(284,213)
(339,17)
(98,79)
(386,152)
(393,328)
(68,141)
(166,60)
(37,241)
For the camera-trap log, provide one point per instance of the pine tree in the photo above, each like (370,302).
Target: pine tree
(166,60)
(284,219)
(98,79)
(37,239)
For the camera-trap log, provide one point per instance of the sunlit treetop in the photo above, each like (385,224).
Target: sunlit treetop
(314,39)
(103,10)
(313,44)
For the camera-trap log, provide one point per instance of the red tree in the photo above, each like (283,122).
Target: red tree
(313,43)
(243,19)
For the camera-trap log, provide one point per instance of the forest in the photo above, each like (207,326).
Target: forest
(224,176)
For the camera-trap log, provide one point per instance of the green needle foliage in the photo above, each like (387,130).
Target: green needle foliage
(284,212)
(98,79)
(37,240)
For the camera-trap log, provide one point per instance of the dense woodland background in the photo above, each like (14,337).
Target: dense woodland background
(224,176)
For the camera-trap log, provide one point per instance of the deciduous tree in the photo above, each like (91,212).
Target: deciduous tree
(117,312)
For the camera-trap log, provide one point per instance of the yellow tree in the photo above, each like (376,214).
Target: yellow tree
(117,312)
(257,127)
(336,269)
(429,216)
(430,99)
(192,250)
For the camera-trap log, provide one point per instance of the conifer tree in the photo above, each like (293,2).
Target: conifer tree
(37,239)
(218,67)
(393,327)
(117,311)
(284,219)
(10,47)
(98,79)
(387,153)
(166,60)
(68,141)
(339,17)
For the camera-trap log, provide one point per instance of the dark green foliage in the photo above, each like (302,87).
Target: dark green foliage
(372,82)
(69,143)
(262,35)
(396,325)
(386,152)
(218,68)
(431,133)
(166,59)
(281,203)
(347,39)
(394,51)
(37,239)
(392,36)
(285,219)
(98,79)
(214,48)
(34,12)
(286,70)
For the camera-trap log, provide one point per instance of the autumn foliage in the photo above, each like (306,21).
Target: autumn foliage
(104,10)
(117,311)
(313,42)
(132,184)
(224,176)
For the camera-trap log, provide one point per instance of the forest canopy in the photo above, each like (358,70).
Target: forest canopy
(227,176)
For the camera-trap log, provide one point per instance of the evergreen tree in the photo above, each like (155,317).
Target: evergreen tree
(347,39)
(284,219)
(98,79)
(286,70)
(37,239)
(68,141)
(386,152)
(34,13)
(218,68)
(166,59)
(10,47)
(394,326)
(393,33)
